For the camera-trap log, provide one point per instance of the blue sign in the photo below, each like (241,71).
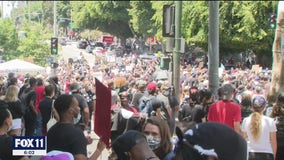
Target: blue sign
(29,145)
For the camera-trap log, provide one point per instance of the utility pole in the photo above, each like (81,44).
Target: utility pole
(53,69)
(176,55)
(213,47)
(54,19)
(2,10)
(29,10)
(277,78)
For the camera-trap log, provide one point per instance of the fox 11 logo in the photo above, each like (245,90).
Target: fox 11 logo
(29,146)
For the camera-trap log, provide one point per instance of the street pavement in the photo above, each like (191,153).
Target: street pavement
(92,147)
(71,51)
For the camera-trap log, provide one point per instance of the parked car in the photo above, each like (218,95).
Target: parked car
(99,44)
(82,44)
(99,51)
(62,41)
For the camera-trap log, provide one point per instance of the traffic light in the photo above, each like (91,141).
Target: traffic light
(54,46)
(168,21)
(272,21)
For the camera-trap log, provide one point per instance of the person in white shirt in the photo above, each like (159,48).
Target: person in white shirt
(260,132)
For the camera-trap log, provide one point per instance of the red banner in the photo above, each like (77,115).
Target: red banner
(152,40)
(102,113)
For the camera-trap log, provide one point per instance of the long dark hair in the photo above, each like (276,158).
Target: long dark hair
(278,107)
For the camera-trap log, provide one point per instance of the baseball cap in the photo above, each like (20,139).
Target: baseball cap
(151,86)
(258,101)
(125,142)
(140,83)
(213,139)
(58,155)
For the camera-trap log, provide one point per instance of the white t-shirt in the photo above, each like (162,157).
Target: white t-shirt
(263,143)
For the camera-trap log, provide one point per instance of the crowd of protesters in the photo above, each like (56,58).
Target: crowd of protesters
(138,95)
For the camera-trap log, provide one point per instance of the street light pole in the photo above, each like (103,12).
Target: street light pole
(54,19)
(176,55)
(2,10)
(213,47)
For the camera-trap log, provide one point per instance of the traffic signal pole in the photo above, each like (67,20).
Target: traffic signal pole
(54,19)
(54,54)
(213,47)
(176,54)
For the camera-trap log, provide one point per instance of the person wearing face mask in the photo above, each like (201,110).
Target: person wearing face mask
(6,140)
(132,145)
(65,135)
(76,92)
(158,137)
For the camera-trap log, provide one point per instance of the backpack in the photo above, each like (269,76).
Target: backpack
(156,103)
(184,114)
(145,105)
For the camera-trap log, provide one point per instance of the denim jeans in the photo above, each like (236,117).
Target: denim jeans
(38,128)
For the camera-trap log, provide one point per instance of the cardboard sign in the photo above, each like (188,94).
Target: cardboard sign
(255,68)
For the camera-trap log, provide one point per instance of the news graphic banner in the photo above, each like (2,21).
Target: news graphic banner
(29,146)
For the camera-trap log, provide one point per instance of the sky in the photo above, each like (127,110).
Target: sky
(7,7)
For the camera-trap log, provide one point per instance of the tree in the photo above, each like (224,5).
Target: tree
(34,45)
(141,13)
(243,25)
(8,37)
(64,14)
(105,16)
(47,10)
(277,82)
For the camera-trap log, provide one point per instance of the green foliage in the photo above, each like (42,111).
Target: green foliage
(47,9)
(244,25)
(64,11)
(195,22)
(141,13)
(34,45)
(8,37)
(107,16)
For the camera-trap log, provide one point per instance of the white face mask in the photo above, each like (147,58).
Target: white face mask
(77,118)
(10,128)
(153,143)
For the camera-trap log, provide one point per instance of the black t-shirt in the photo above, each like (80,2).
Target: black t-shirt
(45,110)
(6,148)
(16,109)
(68,138)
